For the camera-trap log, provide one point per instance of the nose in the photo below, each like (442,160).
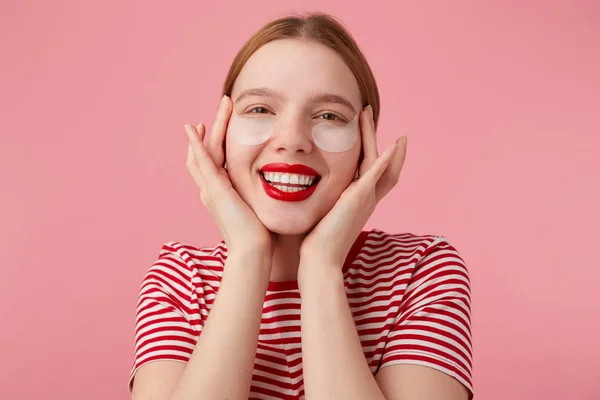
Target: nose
(292,135)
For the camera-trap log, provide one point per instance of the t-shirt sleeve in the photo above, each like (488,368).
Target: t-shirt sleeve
(433,327)
(163,330)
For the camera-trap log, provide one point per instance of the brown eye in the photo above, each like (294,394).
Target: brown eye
(259,110)
(330,117)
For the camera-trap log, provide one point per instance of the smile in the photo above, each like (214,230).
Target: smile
(289,182)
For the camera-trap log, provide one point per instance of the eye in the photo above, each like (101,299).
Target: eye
(330,117)
(259,110)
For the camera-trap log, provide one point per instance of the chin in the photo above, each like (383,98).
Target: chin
(287,224)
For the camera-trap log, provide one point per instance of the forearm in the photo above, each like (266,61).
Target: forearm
(222,363)
(333,361)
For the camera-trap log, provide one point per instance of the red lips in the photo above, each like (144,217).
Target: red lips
(277,194)
(290,169)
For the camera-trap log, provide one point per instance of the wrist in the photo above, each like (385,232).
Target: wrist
(324,256)
(319,276)
(251,245)
(253,261)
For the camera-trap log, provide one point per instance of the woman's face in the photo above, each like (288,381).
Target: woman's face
(295,85)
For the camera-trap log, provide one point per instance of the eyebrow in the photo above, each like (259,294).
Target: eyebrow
(262,92)
(331,98)
(314,98)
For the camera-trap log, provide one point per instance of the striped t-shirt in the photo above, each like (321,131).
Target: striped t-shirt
(409,296)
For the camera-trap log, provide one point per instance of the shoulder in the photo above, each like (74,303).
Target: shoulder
(409,245)
(178,264)
(377,240)
(192,256)
(410,261)
(431,295)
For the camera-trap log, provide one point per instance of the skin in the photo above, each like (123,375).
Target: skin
(274,240)
(294,115)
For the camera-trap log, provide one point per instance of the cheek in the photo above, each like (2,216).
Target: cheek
(343,168)
(351,163)
(239,161)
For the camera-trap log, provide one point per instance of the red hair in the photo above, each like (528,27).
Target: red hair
(318,27)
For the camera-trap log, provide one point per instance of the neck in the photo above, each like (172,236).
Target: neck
(286,257)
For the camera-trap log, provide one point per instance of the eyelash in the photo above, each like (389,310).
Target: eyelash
(335,117)
(256,108)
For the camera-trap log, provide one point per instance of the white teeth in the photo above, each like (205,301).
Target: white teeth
(289,189)
(294,179)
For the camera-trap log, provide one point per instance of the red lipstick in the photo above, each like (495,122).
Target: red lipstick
(290,169)
(277,194)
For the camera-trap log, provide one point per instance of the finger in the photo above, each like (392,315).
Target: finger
(371,177)
(369,140)
(219,129)
(201,129)
(391,175)
(191,163)
(204,161)
(193,168)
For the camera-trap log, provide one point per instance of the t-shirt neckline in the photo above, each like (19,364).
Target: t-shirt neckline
(354,250)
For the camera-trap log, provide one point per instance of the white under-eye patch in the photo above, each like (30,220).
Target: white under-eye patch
(249,131)
(336,138)
(327,136)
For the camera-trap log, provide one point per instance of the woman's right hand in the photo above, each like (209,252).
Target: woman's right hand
(242,230)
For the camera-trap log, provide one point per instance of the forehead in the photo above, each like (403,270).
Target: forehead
(297,69)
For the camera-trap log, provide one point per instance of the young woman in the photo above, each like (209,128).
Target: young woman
(297,301)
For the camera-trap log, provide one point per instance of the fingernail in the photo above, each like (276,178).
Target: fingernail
(370,108)
(187,130)
(402,140)
(223,101)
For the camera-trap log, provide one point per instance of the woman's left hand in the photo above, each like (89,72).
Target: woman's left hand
(328,244)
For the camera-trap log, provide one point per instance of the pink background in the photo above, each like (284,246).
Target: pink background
(500,101)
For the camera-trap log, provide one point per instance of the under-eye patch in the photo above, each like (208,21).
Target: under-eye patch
(249,131)
(336,138)
(327,136)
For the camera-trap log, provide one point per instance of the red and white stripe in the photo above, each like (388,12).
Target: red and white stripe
(409,296)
